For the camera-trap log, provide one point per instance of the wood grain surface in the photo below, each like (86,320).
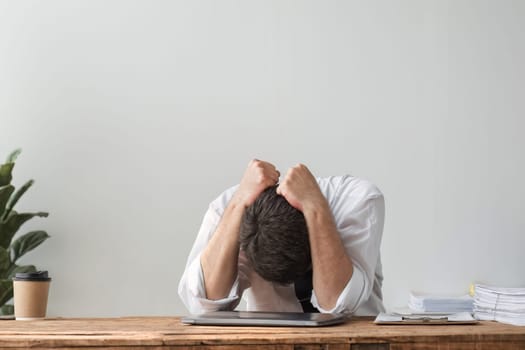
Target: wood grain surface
(169,333)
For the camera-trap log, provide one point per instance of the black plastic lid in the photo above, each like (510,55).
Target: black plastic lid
(32,276)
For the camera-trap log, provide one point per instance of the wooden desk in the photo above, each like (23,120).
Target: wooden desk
(168,333)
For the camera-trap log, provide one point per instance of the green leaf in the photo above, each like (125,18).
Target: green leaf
(7,309)
(16,269)
(5,262)
(14,199)
(5,194)
(11,158)
(6,291)
(27,242)
(5,173)
(12,223)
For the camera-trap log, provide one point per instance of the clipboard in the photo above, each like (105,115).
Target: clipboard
(459,318)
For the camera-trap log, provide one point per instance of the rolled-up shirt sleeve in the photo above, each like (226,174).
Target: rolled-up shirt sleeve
(192,290)
(359,215)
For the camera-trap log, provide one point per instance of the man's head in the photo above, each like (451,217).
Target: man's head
(274,237)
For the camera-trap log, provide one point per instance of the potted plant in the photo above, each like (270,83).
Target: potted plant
(10,222)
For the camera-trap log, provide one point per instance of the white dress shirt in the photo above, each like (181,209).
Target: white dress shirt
(358,209)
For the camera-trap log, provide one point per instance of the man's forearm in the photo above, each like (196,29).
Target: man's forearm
(332,268)
(219,258)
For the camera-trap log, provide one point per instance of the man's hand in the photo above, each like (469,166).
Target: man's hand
(300,188)
(259,175)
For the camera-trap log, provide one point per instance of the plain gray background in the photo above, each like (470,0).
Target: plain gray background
(134,115)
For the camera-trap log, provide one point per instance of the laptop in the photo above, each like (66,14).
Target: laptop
(257,318)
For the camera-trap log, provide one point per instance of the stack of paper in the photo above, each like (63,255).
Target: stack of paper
(437,303)
(506,305)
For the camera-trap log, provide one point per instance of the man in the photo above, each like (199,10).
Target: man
(303,244)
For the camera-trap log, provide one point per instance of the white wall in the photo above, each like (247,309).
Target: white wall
(133,115)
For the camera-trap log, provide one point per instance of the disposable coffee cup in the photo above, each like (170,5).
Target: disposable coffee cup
(30,292)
